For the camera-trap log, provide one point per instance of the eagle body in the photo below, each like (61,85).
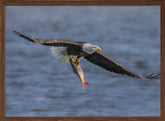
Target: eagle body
(62,53)
(77,51)
(67,50)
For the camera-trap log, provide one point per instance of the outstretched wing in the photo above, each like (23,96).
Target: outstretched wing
(107,63)
(50,42)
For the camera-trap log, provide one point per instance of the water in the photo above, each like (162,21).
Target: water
(39,85)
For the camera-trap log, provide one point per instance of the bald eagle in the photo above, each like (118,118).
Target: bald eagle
(67,50)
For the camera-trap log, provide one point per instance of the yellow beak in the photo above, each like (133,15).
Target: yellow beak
(99,49)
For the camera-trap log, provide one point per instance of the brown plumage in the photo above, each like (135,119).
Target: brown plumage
(50,42)
(107,63)
(73,48)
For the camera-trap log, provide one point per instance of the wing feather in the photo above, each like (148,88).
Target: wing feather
(107,63)
(49,42)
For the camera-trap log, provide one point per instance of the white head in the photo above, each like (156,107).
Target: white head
(89,48)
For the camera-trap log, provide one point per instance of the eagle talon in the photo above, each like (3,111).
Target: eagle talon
(71,58)
(78,62)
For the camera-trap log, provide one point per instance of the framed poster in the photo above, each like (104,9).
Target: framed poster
(36,86)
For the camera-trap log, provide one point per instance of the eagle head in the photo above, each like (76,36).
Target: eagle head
(89,48)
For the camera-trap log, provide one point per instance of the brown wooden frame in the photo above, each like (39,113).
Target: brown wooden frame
(79,2)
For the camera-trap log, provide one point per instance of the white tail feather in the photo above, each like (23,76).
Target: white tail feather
(60,53)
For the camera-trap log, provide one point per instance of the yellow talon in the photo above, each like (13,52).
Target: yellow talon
(78,62)
(71,58)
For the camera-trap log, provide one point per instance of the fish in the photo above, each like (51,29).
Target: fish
(79,72)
